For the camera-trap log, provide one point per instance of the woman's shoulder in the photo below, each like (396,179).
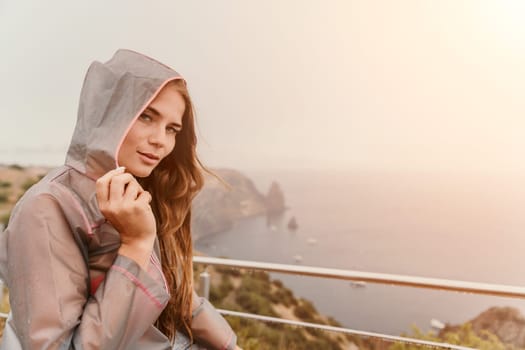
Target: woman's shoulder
(48,205)
(41,190)
(53,191)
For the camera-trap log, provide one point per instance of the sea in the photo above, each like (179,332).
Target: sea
(448,225)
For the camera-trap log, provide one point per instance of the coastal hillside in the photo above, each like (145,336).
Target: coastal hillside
(227,197)
(506,323)
(255,292)
(498,328)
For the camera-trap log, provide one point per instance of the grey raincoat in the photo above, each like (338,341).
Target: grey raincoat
(69,288)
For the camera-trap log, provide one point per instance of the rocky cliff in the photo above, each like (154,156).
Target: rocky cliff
(507,323)
(231,197)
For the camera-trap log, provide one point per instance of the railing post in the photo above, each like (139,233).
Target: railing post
(205,283)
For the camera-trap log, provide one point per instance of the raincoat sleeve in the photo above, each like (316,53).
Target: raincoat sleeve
(209,328)
(50,305)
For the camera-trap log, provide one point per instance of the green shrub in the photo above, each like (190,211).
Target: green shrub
(16,167)
(262,276)
(306,311)
(217,294)
(277,283)
(4,197)
(333,322)
(28,183)
(229,271)
(4,219)
(257,284)
(5,184)
(322,343)
(284,296)
(254,303)
(256,335)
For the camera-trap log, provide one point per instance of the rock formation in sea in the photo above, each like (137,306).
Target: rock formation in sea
(275,199)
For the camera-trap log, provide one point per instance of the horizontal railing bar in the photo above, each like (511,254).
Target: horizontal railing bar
(371,277)
(332,329)
(344,330)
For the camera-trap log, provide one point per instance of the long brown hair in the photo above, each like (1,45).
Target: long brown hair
(173,184)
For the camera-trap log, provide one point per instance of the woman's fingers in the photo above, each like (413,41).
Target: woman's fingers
(118,184)
(126,205)
(144,197)
(132,191)
(102,184)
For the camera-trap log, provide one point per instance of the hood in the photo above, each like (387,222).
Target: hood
(113,96)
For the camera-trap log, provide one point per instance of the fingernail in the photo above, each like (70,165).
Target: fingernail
(121,169)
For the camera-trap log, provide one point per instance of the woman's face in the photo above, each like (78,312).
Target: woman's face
(152,136)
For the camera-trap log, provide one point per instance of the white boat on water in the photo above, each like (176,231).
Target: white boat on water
(437,324)
(357,284)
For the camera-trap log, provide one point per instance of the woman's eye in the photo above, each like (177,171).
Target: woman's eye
(172,130)
(145,117)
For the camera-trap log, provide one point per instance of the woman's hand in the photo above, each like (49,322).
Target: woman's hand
(125,205)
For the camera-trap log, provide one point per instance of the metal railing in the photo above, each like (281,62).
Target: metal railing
(372,277)
(382,337)
(357,276)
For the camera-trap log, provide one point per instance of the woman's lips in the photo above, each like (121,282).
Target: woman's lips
(148,158)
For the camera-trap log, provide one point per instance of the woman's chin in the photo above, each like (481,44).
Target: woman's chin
(140,171)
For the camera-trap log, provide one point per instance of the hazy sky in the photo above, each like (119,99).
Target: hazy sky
(297,84)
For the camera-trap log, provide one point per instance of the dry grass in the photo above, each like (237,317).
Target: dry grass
(4,307)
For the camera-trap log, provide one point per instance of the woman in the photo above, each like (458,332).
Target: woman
(98,254)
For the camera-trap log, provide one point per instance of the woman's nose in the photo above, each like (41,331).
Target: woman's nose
(158,137)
